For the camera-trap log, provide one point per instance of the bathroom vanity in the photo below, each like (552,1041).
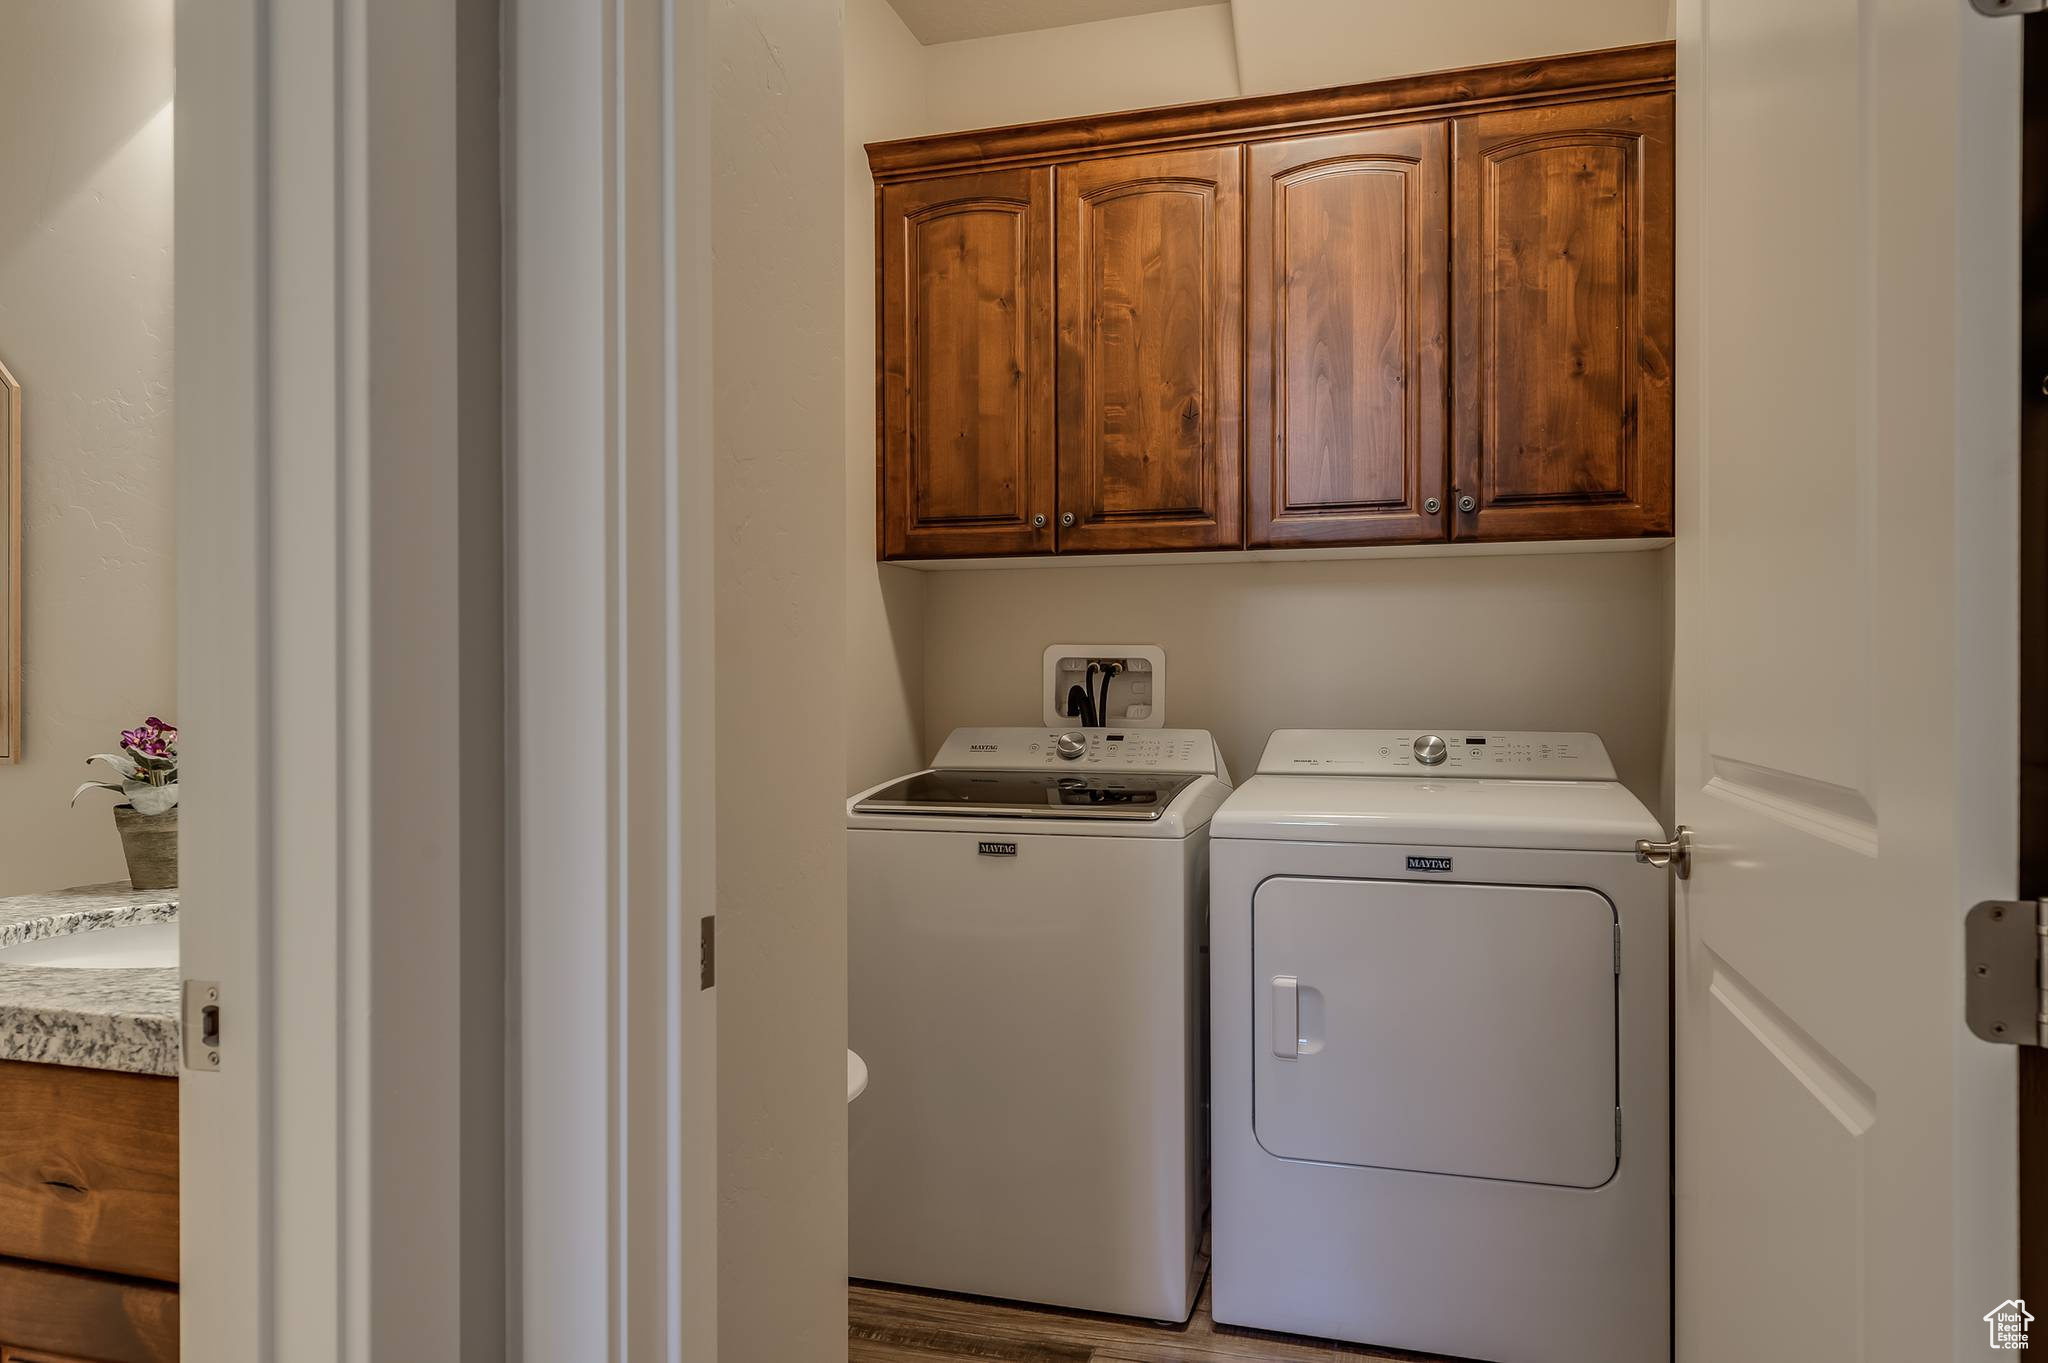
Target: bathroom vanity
(89,1143)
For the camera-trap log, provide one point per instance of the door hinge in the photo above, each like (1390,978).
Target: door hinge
(1998,9)
(201,1029)
(707,951)
(2004,998)
(1677,853)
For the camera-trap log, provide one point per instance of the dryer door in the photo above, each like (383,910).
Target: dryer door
(1436,1027)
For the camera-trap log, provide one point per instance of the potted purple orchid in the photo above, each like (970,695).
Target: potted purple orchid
(147,817)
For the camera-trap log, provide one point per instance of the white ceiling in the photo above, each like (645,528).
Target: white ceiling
(945,21)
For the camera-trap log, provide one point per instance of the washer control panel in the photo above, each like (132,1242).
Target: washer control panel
(1188,751)
(1437,753)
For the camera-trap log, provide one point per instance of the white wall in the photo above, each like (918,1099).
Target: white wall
(779,481)
(85,326)
(1254,47)
(1302,44)
(885,98)
(1565,641)
(1170,57)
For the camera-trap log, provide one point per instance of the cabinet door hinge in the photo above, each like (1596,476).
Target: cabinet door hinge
(707,951)
(2005,998)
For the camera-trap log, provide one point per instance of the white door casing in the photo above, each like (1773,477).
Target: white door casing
(338,630)
(341,1175)
(612,718)
(1845,697)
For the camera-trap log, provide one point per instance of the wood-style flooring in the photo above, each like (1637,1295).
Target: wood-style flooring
(896,1325)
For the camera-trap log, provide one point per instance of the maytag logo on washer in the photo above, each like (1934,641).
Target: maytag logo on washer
(1439,865)
(997,849)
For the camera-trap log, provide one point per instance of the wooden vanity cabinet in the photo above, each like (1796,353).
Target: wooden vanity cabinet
(965,363)
(1562,306)
(1348,267)
(1150,294)
(88,1215)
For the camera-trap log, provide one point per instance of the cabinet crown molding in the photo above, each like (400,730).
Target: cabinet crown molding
(1640,69)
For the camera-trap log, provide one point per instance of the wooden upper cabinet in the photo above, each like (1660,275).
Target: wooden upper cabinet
(1562,283)
(1348,277)
(1150,298)
(965,365)
(1289,320)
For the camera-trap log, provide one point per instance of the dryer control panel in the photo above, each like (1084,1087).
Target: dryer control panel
(1437,753)
(1185,751)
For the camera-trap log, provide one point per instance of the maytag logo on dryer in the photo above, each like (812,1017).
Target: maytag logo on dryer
(1435,865)
(996,849)
(984,747)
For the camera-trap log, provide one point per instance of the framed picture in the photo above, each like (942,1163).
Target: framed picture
(10,567)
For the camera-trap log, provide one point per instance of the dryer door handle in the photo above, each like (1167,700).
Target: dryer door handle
(1286,1017)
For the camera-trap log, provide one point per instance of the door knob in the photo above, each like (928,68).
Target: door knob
(1067,519)
(1677,853)
(1038,521)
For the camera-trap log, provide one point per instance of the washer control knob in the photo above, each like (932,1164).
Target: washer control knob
(1430,750)
(1073,743)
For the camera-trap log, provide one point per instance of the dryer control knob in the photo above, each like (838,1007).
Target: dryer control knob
(1072,744)
(1430,750)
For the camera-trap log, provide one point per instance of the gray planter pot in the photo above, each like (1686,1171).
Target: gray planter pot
(150,842)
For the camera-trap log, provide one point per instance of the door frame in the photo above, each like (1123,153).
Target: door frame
(2033,598)
(437,852)
(611,660)
(340,614)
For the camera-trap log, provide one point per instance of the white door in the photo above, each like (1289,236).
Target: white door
(1845,698)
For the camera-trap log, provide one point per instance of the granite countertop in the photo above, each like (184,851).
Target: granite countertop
(115,1019)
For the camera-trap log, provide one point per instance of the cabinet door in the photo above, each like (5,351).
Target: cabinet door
(59,1315)
(1348,273)
(1562,285)
(1150,314)
(965,366)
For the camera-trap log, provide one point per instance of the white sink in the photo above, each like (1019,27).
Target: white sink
(131,945)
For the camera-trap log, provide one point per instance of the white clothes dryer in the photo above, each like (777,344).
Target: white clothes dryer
(1440,1068)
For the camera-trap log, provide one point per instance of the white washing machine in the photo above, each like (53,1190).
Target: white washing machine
(1441,1086)
(1027,985)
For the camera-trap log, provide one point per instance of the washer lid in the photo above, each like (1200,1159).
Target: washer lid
(1592,816)
(1027,795)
